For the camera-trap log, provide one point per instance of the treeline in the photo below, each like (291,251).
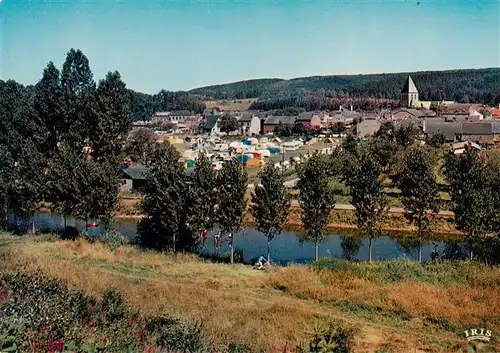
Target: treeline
(144,105)
(474,86)
(62,142)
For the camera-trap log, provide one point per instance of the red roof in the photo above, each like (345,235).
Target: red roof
(496,112)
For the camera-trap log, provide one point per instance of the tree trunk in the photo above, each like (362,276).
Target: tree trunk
(470,247)
(268,251)
(420,253)
(86,223)
(316,245)
(65,222)
(231,243)
(33,230)
(370,251)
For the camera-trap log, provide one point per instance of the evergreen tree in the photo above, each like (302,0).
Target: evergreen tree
(164,202)
(419,191)
(473,201)
(270,204)
(316,198)
(232,186)
(362,178)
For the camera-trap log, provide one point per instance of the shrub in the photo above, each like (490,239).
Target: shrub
(330,338)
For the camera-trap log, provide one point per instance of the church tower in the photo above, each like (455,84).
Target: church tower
(409,94)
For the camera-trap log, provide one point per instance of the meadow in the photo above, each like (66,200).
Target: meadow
(397,306)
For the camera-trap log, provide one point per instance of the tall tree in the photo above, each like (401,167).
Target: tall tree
(473,202)
(228,123)
(203,196)
(419,191)
(232,186)
(404,136)
(48,106)
(316,198)
(27,187)
(78,88)
(362,178)
(270,204)
(62,189)
(112,116)
(164,201)
(6,180)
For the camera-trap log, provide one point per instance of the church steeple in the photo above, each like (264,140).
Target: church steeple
(409,94)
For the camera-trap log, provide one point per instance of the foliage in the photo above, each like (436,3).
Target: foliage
(473,201)
(316,199)
(362,178)
(140,146)
(228,123)
(478,86)
(404,136)
(164,225)
(270,203)
(330,338)
(232,185)
(437,140)
(419,191)
(350,246)
(55,319)
(202,195)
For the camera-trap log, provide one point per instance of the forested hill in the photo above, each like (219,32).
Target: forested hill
(471,85)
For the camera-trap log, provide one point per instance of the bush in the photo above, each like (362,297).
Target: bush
(54,319)
(330,338)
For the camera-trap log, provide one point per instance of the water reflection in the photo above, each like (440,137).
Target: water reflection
(285,248)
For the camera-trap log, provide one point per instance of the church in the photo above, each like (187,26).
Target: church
(409,96)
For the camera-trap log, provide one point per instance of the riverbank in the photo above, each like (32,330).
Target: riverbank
(396,306)
(341,218)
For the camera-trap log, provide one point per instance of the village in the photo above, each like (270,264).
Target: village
(257,138)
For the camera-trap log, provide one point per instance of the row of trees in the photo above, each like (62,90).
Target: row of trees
(62,141)
(197,203)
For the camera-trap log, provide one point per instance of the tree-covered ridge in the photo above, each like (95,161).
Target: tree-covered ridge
(471,85)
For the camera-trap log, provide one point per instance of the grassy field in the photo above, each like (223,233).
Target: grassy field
(395,306)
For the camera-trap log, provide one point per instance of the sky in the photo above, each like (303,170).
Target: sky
(184,44)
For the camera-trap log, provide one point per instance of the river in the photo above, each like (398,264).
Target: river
(285,248)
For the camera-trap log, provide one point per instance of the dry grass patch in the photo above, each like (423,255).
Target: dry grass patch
(274,307)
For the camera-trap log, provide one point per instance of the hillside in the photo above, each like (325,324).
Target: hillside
(471,85)
(397,306)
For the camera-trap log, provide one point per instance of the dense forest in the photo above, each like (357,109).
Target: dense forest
(474,85)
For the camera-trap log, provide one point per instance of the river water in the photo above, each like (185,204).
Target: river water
(285,248)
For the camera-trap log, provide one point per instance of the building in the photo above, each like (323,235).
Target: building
(272,122)
(459,147)
(409,94)
(250,124)
(209,125)
(483,131)
(449,130)
(310,119)
(465,109)
(133,177)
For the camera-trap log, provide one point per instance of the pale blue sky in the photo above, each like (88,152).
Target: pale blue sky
(186,44)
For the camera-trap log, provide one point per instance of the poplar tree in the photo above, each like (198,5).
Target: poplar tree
(232,186)
(419,191)
(473,201)
(270,204)
(362,178)
(164,201)
(316,199)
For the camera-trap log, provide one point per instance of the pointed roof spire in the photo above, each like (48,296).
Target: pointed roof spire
(409,86)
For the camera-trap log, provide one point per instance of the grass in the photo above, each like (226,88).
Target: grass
(390,302)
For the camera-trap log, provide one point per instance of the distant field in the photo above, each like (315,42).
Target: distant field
(237,104)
